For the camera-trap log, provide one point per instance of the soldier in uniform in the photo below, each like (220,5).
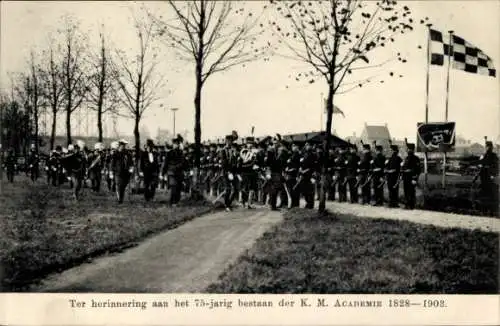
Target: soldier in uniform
(174,167)
(229,165)
(97,161)
(283,155)
(10,164)
(330,172)
(393,168)
(110,178)
(121,165)
(340,172)
(306,169)
(411,171)
(378,166)
(249,168)
(487,174)
(364,173)
(274,165)
(352,167)
(33,163)
(149,166)
(291,173)
(76,165)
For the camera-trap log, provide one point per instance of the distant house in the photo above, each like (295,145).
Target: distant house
(378,134)
(315,137)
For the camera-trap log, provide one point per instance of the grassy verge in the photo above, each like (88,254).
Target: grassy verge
(42,230)
(308,253)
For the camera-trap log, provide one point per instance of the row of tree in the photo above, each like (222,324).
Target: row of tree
(334,40)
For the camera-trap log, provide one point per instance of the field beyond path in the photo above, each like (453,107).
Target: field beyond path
(185,259)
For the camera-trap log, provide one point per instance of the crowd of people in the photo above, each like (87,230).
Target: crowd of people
(249,171)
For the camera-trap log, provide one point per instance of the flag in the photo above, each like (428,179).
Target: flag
(465,56)
(336,109)
(253,129)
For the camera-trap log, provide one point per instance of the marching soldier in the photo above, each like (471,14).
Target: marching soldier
(306,168)
(332,180)
(365,176)
(75,164)
(121,166)
(317,171)
(173,167)
(97,161)
(249,170)
(393,168)
(229,165)
(411,172)
(283,155)
(110,178)
(340,173)
(487,175)
(378,165)
(33,163)
(352,167)
(10,164)
(291,173)
(274,179)
(149,166)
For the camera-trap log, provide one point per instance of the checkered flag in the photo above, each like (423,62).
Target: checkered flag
(465,56)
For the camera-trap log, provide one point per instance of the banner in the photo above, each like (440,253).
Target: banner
(435,137)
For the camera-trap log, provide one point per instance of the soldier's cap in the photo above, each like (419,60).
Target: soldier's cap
(229,137)
(489,143)
(150,142)
(394,147)
(366,146)
(250,140)
(410,146)
(379,147)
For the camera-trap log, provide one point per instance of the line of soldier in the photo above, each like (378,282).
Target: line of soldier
(252,171)
(273,168)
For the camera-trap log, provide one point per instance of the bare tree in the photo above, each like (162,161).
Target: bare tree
(73,77)
(52,88)
(103,88)
(212,35)
(335,39)
(139,79)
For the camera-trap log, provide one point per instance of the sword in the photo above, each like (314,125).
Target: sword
(288,195)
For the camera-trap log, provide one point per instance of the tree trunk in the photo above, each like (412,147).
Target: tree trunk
(68,125)
(196,192)
(326,147)
(53,130)
(137,137)
(37,140)
(99,122)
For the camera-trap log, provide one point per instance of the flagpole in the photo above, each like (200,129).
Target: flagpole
(450,54)
(426,157)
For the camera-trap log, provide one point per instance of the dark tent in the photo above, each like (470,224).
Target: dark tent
(316,137)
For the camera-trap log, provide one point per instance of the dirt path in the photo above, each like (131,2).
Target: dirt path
(418,216)
(186,259)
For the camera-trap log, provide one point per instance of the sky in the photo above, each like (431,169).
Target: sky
(256,95)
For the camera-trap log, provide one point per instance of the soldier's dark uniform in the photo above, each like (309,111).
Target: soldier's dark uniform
(76,165)
(283,155)
(249,173)
(275,183)
(487,175)
(340,175)
(352,167)
(33,164)
(317,171)
(96,166)
(291,173)
(306,169)
(149,165)
(378,166)
(331,183)
(411,170)
(393,168)
(10,165)
(364,174)
(174,169)
(229,166)
(121,166)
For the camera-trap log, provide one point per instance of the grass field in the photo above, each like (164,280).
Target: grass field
(42,229)
(308,253)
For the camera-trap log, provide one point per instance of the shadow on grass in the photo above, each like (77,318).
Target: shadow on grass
(311,253)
